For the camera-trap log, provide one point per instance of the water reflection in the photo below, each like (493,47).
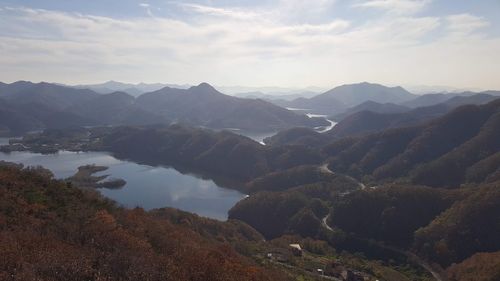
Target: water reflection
(148,187)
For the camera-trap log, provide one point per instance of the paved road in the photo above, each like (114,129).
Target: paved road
(411,256)
(325,225)
(324,168)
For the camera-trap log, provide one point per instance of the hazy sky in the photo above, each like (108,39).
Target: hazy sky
(292,43)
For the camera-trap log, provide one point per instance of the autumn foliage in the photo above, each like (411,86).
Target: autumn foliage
(50,230)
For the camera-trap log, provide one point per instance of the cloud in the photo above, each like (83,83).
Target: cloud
(303,10)
(462,24)
(220,12)
(395,6)
(229,45)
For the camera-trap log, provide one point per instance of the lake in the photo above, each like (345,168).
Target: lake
(147,187)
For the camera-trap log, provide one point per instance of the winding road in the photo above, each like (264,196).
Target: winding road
(324,168)
(409,255)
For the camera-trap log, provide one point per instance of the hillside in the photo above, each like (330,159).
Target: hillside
(438,153)
(17,119)
(339,99)
(370,117)
(292,192)
(354,94)
(385,108)
(117,108)
(363,122)
(50,230)
(428,100)
(391,213)
(469,226)
(45,105)
(134,90)
(50,95)
(204,106)
(442,226)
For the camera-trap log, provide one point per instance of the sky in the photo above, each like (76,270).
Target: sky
(288,43)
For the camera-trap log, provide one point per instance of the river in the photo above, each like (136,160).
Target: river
(259,137)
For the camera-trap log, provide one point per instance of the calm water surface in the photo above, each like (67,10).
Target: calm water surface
(147,187)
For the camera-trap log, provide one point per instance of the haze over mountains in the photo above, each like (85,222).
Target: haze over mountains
(239,91)
(200,105)
(339,98)
(129,88)
(45,105)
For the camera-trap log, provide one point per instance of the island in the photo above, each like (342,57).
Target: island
(85,178)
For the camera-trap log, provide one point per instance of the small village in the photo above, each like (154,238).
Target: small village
(319,267)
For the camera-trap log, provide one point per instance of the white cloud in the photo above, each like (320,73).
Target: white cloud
(249,47)
(465,23)
(305,10)
(395,6)
(221,12)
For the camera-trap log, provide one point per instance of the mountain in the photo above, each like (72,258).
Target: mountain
(372,106)
(357,124)
(57,106)
(204,106)
(355,94)
(14,122)
(17,119)
(60,232)
(272,91)
(468,227)
(7,90)
(338,99)
(364,122)
(438,153)
(429,100)
(116,109)
(50,95)
(480,98)
(452,99)
(441,226)
(131,89)
(288,96)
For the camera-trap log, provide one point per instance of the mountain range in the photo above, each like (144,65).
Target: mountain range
(42,105)
(338,99)
(413,187)
(370,117)
(129,88)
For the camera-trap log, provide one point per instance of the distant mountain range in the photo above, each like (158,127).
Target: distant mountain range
(373,107)
(131,89)
(31,106)
(442,152)
(288,96)
(238,91)
(368,121)
(453,145)
(339,99)
(370,117)
(361,108)
(204,105)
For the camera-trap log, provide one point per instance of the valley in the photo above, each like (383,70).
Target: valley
(357,196)
(276,140)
